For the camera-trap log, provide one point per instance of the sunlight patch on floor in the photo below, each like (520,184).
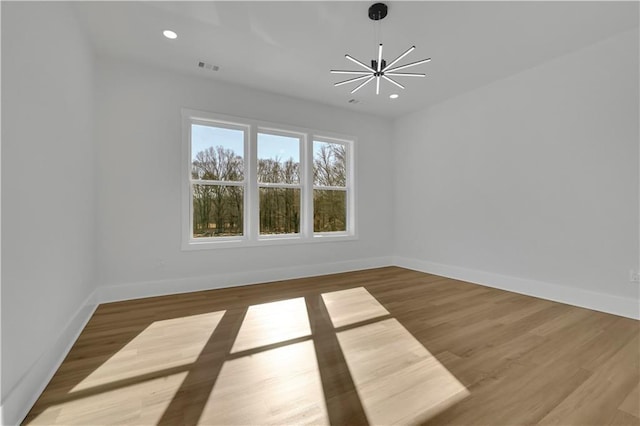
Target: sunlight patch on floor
(271,323)
(271,375)
(397,379)
(137,404)
(277,386)
(351,306)
(162,345)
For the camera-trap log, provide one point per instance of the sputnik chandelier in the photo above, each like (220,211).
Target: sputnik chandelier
(379,68)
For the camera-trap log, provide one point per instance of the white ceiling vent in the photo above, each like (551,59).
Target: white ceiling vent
(207,66)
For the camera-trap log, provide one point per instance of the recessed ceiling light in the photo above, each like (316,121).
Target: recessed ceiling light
(170,34)
(394,96)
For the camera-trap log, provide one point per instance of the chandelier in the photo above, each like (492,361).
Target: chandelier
(379,69)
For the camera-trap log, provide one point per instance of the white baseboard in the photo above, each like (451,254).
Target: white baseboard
(24,394)
(622,306)
(119,292)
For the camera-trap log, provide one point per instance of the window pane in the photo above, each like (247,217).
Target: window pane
(329,210)
(217,153)
(217,210)
(279,211)
(278,159)
(329,164)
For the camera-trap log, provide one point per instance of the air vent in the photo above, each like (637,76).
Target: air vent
(207,66)
(353,101)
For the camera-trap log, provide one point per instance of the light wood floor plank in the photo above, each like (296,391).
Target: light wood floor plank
(591,403)
(631,404)
(381,346)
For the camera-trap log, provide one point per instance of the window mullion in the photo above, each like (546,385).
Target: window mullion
(279,185)
(331,188)
(218,182)
(306,227)
(253,198)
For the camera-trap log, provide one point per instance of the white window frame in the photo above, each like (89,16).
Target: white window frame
(347,188)
(251,218)
(303,141)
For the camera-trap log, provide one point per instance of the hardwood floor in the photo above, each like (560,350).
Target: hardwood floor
(381,346)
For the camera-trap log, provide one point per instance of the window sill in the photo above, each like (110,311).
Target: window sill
(279,240)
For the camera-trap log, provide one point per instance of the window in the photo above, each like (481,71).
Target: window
(253,183)
(217,180)
(329,186)
(279,183)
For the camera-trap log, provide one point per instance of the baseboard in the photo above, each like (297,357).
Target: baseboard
(24,394)
(621,306)
(119,292)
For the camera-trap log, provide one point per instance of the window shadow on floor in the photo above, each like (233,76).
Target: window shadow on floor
(271,353)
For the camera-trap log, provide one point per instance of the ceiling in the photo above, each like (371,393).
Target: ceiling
(289,47)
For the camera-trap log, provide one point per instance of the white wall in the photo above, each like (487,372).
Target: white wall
(139,145)
(47,190)
(534,176)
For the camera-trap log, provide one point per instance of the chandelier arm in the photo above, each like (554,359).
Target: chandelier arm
(350,72)
(362,85)
(395,61)
(412,64)
(351,80)
(405,74)
(392,81)
(379,69)
(352,59)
